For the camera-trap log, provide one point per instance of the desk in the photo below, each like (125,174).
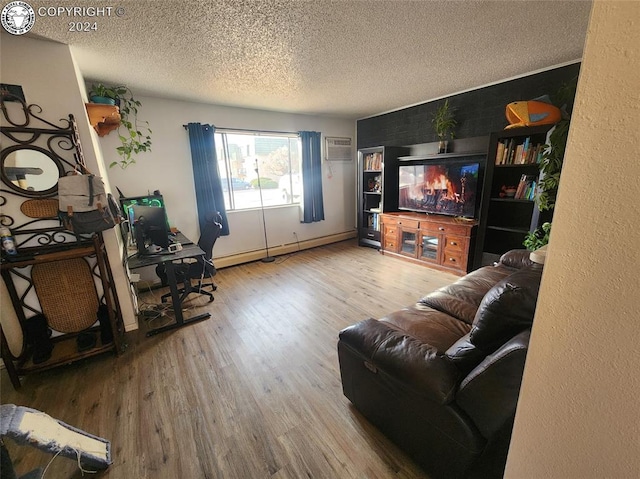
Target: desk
(189,250)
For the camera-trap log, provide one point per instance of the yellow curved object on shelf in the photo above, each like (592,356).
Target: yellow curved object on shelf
(531,113)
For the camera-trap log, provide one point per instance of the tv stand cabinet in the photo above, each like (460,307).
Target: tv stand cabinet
(440,242)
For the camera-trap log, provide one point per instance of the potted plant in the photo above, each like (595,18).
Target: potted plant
(102,94)
(134,134)
(538,238)
(443,124)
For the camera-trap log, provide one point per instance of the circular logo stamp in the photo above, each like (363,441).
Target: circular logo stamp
(18,17)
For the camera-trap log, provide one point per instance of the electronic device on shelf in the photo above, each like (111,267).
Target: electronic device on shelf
(439,187)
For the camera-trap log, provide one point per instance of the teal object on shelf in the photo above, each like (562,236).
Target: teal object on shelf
(103,100)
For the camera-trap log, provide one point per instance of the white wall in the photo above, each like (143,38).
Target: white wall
(168,168)
(50,79)
(578,415)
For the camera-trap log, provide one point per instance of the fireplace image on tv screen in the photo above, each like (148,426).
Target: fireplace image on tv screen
(446,189)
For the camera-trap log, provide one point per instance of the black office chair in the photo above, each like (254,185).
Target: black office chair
(203,267)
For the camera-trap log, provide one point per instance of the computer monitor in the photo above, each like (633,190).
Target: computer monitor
(149,200)
(150,226)
(127,204)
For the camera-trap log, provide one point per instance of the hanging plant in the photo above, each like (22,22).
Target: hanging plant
(551,165)
(134,134)
(553,157)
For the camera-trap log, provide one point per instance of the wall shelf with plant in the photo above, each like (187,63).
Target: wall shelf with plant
(104,118)
(134,134)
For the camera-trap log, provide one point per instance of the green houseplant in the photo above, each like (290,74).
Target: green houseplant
(134,134)
(100,93)
(538,238)
(444,123)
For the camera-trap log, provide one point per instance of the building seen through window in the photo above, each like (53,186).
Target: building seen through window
(278,158)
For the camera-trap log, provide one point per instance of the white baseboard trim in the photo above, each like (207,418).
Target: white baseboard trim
(247,257)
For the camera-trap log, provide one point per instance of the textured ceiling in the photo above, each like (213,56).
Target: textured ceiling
(340,58)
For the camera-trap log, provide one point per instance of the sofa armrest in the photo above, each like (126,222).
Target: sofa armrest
(415,364)
(465,355)
(516,258)
(489,393)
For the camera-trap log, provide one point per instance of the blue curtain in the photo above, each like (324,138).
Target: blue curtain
(206,176)
(312,205)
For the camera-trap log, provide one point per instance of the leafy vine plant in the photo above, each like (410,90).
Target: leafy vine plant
(134,134)
(551,164)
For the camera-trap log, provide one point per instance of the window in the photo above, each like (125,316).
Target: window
(278,158)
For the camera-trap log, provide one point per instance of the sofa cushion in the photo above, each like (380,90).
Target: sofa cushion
(417,365)
(517,258)
(506,309)
(437,329)
(462,298)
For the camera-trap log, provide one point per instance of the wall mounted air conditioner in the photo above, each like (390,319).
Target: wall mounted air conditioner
(338,149)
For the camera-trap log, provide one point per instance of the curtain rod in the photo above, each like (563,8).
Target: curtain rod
(251,131)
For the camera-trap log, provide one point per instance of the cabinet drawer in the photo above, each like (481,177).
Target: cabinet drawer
(369,234)
(454,244)
(445,228)
(408,223)
(390,229)
(389,219)
(390,244)
(454,260)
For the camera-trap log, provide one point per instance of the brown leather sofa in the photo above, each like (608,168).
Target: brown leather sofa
(441,378)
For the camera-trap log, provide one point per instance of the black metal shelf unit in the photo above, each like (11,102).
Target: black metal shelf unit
(377,190)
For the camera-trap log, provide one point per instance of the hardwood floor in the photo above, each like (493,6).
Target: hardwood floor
(253,392)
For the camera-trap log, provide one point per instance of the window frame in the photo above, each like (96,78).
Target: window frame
(224,158)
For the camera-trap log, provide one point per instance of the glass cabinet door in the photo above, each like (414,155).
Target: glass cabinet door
(408,243)
(429,247)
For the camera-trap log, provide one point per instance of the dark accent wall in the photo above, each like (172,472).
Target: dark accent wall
(478,112)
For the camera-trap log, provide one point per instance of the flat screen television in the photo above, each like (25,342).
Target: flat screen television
(444,188)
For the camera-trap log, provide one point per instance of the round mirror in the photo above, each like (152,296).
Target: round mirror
(30,170)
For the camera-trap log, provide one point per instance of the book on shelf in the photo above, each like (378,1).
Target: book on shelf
(526,188)
(373,161)
(373,222)
(511,151)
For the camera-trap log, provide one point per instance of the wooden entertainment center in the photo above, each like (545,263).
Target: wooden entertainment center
(440,242)
(507,159)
